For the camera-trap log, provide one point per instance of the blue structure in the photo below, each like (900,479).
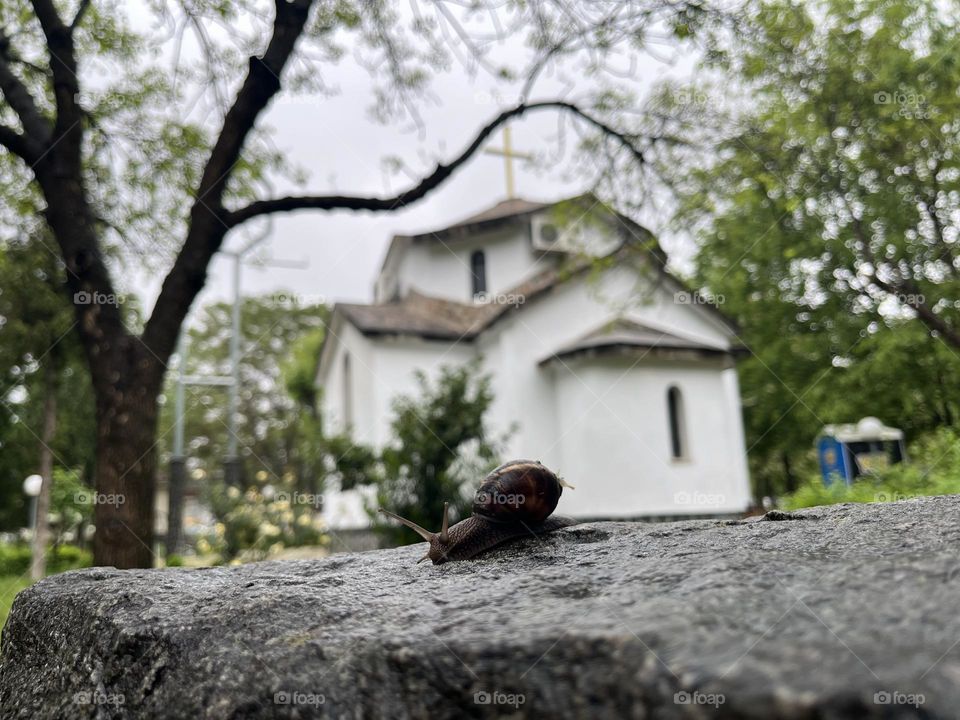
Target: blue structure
(848,451)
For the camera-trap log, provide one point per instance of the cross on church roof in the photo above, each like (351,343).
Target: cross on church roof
(508,154)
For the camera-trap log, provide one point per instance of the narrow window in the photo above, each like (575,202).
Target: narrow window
(478,272)
(676,420)
(347,392)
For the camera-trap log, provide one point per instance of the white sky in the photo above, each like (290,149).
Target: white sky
(343,148)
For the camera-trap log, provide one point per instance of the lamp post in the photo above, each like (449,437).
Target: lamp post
(231,463)
(232,467)
(31,488)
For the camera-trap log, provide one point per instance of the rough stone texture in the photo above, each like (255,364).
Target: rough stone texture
(806,615)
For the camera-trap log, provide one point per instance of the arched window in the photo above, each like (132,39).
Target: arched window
(347,392)
(478,272)
(678,449)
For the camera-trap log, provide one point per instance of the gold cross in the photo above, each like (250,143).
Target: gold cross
(507,153)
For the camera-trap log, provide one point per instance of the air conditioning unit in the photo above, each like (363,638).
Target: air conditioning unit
(586,237)
(550,237)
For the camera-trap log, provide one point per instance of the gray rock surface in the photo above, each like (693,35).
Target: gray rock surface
(847,611)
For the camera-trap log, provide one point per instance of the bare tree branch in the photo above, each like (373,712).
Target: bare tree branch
(66,85)
(431,181)
(207,229)
(78,17)
(20,99)
(20,145)
(48,16)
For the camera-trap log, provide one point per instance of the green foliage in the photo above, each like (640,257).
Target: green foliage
(15,559)
(439,449)
(39,353)
(934,469)
(300,370)
(70,509)
(276,430)
(262,520)
(824,220)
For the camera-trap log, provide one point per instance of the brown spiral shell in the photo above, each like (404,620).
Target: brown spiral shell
(520,491)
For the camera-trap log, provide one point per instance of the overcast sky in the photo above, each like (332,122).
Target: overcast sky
(343,149)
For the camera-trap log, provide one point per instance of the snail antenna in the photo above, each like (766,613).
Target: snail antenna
(564,483)
(425,534)
(444,535)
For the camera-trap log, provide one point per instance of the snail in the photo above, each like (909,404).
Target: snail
(515,499)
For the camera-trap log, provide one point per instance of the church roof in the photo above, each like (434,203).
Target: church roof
(503,209)
(626,335)
(440,318)
(503,212)
(435,318)
(416,314)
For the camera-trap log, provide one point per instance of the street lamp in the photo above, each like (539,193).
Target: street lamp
(31,487)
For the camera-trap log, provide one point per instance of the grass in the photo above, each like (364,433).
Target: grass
(10,585)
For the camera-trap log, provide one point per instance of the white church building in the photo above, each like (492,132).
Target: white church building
(605,366)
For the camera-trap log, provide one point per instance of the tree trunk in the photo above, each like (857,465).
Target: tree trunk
(126,477)
(790,480)
(41,527)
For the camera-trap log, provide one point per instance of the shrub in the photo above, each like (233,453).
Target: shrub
(260,521)
(15,559)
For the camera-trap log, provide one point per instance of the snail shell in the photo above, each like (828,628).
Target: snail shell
(515,499)
(518,491)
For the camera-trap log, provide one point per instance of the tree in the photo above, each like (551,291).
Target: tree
(827,219)
(846,156)
(108,164)
(42,371)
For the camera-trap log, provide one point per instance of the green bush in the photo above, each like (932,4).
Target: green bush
(67,557)
(261,521)
(933,469)
(15,559)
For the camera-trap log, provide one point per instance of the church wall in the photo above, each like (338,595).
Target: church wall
(539,399)
(444,271)
(515,346)
(396,361)
(618,449)
(350,340)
